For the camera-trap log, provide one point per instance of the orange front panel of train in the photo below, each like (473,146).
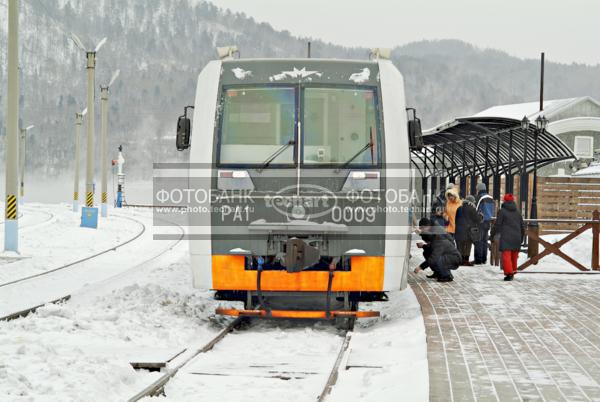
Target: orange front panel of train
(228,273)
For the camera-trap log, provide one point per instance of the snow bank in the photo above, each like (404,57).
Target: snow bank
(81,351)
(387,359)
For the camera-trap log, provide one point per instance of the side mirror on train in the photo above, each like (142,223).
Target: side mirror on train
(184,128)
(183,133)
(415,134)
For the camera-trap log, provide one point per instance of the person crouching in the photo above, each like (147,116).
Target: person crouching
(440,254)
(511,228)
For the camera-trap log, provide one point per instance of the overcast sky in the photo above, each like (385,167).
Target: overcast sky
(567,30)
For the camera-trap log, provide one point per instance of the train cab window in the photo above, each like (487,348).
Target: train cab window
(256,123)
(340,126)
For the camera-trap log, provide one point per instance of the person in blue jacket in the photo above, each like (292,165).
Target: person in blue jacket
(486,206)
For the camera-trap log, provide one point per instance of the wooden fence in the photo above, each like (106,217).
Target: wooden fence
(564,198)
(533,235)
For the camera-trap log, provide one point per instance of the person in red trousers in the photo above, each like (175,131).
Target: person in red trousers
(510,228)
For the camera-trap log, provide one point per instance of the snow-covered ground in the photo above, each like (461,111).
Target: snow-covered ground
(52,236)
(138,304)
(580,249)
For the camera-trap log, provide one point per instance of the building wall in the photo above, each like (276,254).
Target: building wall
(581,109)
(569,140)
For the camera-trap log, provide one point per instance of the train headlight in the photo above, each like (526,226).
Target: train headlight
(362,180)
(234,180)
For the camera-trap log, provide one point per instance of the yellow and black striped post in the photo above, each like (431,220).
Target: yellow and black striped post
(89,199)
(11,207)
(75,196)
(104,198)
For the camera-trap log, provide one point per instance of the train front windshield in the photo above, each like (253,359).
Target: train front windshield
(339,126)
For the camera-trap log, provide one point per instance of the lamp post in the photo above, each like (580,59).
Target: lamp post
(524,190)
(23,161)
(540,123)
(104,134)
(540,126)
(11,225)
(91,66)
(78,124)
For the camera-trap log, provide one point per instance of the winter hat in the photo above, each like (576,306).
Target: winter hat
(424,222)
(481,187)
(449,186)
(470,198)
(453,191)
(508,197)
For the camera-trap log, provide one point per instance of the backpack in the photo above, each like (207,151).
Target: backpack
(487,207)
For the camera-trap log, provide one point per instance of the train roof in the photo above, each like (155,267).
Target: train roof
(294,71)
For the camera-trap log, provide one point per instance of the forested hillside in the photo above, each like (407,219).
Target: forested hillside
(160,47)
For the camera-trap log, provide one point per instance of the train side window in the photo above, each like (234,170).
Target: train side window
(337,124)
(256,122)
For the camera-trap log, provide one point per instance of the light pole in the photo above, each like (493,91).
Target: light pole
(23,161)
(91,65)
(540,126)
(524,188)
(104,133)
(540,123)
(78,124)
(11,225)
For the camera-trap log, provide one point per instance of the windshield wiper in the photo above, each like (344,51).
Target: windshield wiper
(368,145)
(273,156)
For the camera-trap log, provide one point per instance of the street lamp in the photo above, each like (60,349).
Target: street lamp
(91,65)
(22,161)
(540,126)
(524,189)
(525,123)
(78,124)
(104,134)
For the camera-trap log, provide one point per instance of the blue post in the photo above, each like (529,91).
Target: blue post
(11,235)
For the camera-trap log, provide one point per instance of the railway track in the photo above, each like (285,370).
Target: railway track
(114,248)
(25,312)
(157,387)
(34,224)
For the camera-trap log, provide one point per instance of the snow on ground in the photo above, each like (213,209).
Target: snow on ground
(54,247)
(51,236)
(270,361)
(580,249)
(387,359)
(81,350)
(128,306)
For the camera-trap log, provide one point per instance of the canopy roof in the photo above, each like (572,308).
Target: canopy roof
(486,146)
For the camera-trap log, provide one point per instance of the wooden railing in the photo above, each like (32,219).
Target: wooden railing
(534,239)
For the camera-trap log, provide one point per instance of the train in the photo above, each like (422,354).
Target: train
(305,165)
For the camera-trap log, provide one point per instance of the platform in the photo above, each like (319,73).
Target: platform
(536,338)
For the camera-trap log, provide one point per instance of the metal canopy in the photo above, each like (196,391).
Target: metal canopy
(487,146)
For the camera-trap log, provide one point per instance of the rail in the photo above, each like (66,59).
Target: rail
(77,262)
(534,239)
(157,387)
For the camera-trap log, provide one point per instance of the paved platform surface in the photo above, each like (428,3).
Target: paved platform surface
(534,339)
